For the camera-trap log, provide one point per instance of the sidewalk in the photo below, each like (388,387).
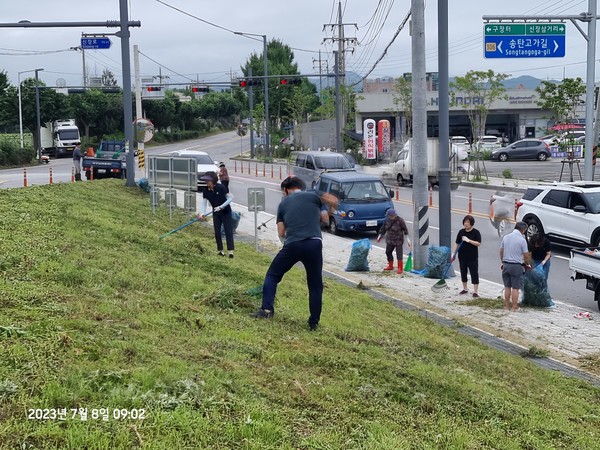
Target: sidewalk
(557,330)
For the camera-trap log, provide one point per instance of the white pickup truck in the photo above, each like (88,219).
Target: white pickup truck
(585,265)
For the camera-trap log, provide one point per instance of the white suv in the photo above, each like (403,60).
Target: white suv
(565,212)
(204,161)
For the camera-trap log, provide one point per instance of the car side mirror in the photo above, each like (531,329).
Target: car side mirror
(580,209)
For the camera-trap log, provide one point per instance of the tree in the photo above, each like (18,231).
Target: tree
(108,78)
(479,89)
(561,98)
(402,100)
(98,111)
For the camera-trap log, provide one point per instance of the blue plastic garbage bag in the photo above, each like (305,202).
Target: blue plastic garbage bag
(437,263)
(358,257)
(235,221)
(535,288)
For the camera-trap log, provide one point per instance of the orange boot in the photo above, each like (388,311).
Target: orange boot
(390,266)
(400,268)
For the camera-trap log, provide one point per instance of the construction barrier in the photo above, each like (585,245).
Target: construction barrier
(272,169)
(516,208)
(72,174)
(430,197)
(470,208)
(24,177)
(50,170)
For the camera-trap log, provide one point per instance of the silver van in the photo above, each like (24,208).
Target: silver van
(308,165)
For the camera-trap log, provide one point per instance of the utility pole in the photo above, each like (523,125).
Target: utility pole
(138,93)
(341,40)
(419,147)
(445,198)
(320,73)
(338,139)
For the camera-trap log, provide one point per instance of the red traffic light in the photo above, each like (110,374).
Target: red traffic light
(199,88)
(243,83)
(154,88)
(291,81)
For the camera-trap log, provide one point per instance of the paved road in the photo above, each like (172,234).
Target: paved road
(226,145)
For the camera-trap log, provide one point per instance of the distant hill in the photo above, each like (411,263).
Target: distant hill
(351,78)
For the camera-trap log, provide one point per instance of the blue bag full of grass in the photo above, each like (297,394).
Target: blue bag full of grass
(358,261)
(235,221)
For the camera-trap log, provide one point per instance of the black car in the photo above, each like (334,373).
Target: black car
(523,149)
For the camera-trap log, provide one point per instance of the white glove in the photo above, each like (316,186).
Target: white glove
(466,239)
(217,209)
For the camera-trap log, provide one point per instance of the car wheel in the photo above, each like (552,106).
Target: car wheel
(542,157)
(333,228)
(534,226)
(503,157)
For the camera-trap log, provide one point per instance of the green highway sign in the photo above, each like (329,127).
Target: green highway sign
(524,29)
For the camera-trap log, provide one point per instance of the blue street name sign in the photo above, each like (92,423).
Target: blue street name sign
(525,46)
(95,43)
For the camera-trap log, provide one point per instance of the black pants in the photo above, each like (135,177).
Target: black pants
(225,183)
(472,265)
(389,252)
(226,220)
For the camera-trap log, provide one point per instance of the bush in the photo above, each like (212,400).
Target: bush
(507,173)
(12,155)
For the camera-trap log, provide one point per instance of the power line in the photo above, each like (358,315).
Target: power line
(162,65)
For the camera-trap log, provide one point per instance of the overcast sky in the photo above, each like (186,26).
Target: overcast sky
(188,48)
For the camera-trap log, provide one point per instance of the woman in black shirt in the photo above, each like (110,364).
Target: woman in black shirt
(468,255)
(539,246)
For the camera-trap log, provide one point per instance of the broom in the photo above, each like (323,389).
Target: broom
(408,266)
(441,285)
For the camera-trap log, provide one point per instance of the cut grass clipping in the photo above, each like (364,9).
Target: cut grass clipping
(150,341)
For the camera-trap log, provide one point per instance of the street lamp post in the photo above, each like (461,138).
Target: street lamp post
(266,83)
(20,104)
(38,143)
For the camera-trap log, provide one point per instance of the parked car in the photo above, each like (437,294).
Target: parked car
(565,212)
(489,142)
(523,149)
(204,163)
(308,165)
(363,200)
(459,140)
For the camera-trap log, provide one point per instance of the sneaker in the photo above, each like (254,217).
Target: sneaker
(313,326)
(221,253)
(262,314)
(475,295)
(463,292)
(231,256)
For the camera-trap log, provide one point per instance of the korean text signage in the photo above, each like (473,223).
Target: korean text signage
(524,40)
(383,135)
(369,138)
(95,43)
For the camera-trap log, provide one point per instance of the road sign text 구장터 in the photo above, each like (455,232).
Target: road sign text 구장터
(524,40)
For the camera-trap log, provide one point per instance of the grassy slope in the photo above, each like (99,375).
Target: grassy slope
(96,311)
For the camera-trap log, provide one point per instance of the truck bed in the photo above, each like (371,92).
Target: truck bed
(585,261)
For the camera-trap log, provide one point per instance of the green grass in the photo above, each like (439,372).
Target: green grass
(98,312)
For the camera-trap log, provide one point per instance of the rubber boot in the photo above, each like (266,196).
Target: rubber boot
(390,266)
(400,268)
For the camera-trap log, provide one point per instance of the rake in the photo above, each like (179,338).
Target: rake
(441,285)
(175,230)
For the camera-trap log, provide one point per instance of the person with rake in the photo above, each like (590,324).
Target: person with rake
(394,228)
(466,246)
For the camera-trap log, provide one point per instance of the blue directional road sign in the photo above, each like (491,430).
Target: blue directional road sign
(524,46)
(95,43)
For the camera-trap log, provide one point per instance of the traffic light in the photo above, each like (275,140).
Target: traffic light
(247,82)
(291,81)
(200,89)
(154,88)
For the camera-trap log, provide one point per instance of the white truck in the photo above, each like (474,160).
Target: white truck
(585,265)
(402,168)
(59,137)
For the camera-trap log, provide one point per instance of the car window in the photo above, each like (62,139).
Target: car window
(204,159)
(532,144)
(520,144)
(323,185)
(531,193)
(402,155)
(364,190)
(309,163)
(301,160)
(332,162)
(576,200)
(557,198)
(335,188)
(593,200)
